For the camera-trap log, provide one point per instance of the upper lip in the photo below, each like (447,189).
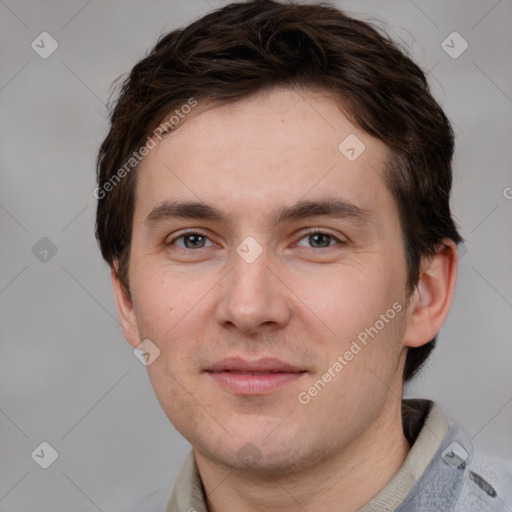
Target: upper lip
(266,364)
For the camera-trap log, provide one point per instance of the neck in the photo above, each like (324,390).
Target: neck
(345,482)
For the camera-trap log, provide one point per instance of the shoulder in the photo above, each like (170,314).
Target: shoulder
(487,485)
(458,477)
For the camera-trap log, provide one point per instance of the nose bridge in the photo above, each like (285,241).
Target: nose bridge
(251,293)
(250,273)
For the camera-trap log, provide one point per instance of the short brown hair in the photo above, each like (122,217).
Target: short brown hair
(247,47)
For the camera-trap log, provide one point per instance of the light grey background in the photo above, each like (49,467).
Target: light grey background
(67,375)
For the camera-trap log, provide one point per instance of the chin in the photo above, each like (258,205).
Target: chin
(261,455)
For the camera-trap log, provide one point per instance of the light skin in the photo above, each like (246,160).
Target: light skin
(303,300)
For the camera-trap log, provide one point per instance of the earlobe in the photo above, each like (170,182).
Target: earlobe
(125,309)
(430,301)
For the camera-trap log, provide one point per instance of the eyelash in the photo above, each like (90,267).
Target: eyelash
(314,231)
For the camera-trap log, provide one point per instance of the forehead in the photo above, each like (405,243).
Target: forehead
(279,144)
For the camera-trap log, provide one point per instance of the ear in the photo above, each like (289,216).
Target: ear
(431,299)
(125,309)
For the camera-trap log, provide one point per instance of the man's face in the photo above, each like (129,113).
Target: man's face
(219,296)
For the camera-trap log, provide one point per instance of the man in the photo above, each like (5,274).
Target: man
(273,200)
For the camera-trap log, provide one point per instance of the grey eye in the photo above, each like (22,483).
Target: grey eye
(191,241)
(319,240)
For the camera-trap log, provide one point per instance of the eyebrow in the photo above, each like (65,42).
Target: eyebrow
(329,207)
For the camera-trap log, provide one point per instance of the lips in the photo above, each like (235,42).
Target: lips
(258,377)
(265,365)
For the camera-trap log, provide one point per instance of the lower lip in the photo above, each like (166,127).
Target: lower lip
(247,384)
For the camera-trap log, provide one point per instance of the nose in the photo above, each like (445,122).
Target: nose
(253,297)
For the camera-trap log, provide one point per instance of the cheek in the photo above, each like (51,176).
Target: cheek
(181,404)
(349,296)
(163,301)
(364,309)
